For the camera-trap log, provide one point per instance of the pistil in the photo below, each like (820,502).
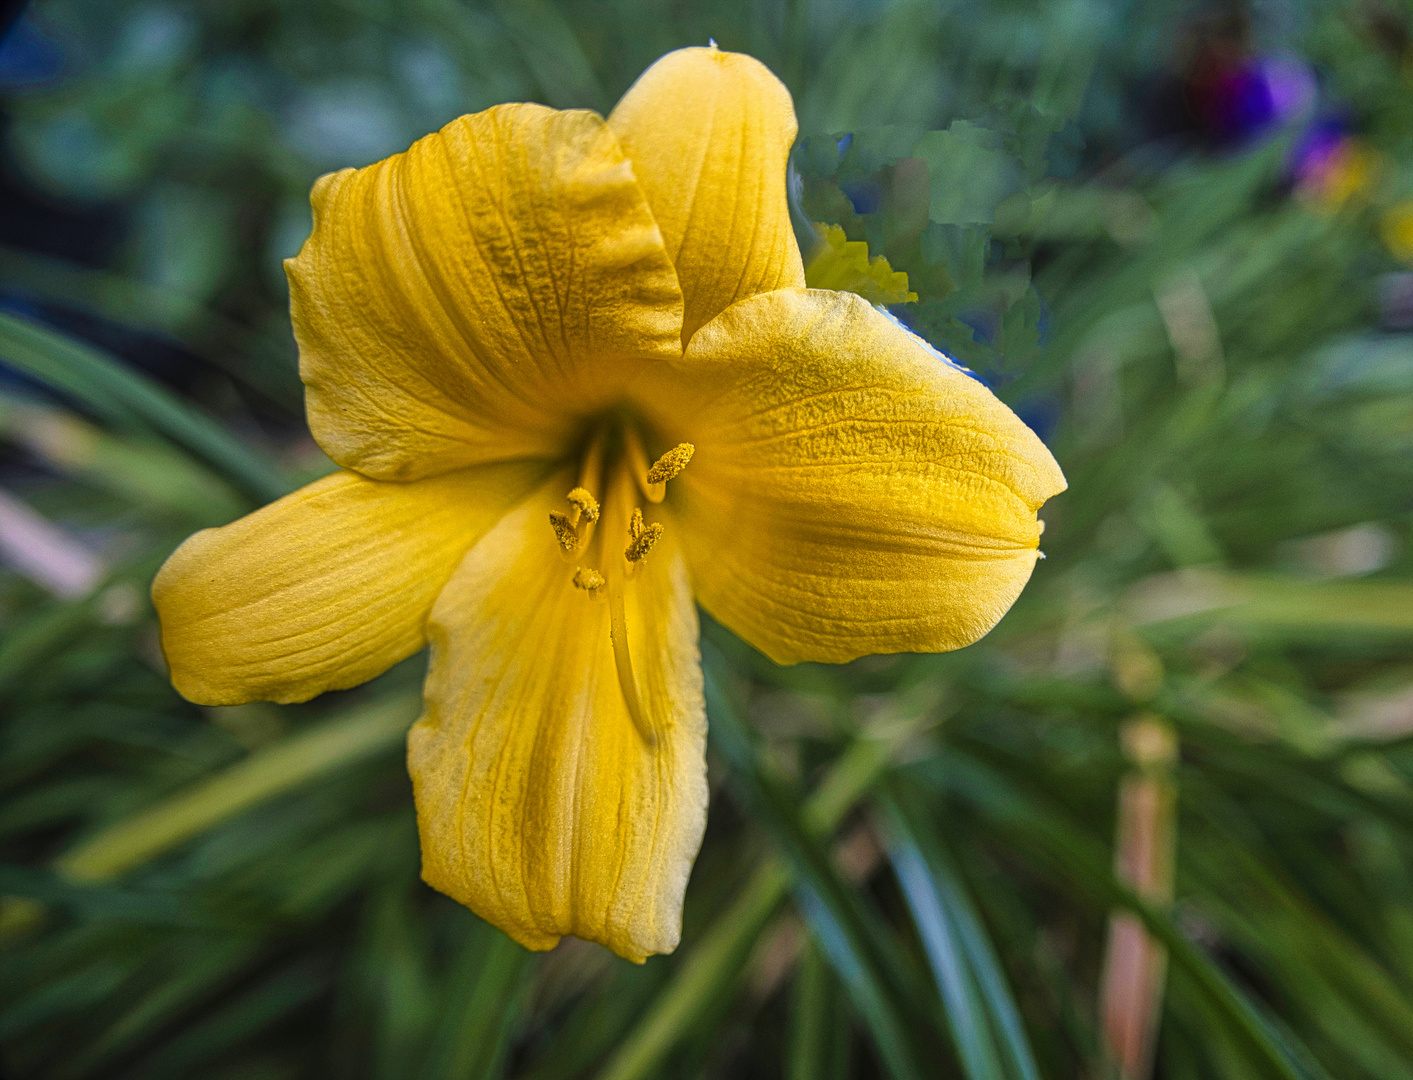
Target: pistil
(588,579)
(623,662)
(617,570)
(574,530)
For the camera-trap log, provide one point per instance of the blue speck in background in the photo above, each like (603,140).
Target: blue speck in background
(28,57)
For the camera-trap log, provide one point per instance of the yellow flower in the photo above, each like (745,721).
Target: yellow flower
(1347,173)
(500,330)
(1397,230)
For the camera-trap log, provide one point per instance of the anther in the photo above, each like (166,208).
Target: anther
(640,544)
(671,464)
(564,530)
(585,505)
(635,524)
(588,580)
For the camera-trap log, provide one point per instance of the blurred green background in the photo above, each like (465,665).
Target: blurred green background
(1159,823)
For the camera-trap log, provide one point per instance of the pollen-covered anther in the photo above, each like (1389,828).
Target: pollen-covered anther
(671,464)
(564,530)
(641,542)
(589,580)
(586,507)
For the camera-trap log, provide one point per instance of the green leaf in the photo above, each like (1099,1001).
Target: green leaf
(481,1007)
(847,931)
(713,962)
(119,394)
(971,173)
(271,771)
(1072,854)
(983,1016)
(818,1047)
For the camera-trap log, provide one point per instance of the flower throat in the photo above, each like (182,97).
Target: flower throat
(621,478)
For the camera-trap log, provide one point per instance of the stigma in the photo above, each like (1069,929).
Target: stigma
(619,471)
(591,581)
(641,537)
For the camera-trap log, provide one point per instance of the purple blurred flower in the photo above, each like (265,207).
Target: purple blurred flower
(1242,98)
(1329,163)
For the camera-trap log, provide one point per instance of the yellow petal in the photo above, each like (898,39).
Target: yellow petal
(709,133)
(852,492)
(540,805)
(323,589)
(459,302)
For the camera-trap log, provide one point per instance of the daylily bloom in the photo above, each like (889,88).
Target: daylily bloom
(574,379)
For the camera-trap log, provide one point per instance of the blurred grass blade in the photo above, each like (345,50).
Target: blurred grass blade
(712,966)
(199,976)
(836,929)
(200,1046)
(818,1043)
(1289,1059)
(481,1009)
(97,903)
(974,1043)
(265,774)
(714,960)
(551,51)
(848,932)
(115,391)
(42,634)
(59,622)
(1071,853)
(1253,601)
(983,1015)
(264,361)
(149,474)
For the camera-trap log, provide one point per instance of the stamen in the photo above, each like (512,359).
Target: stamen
(586,507)
(564,530)
(591,581)
(635,524)
(671,464)
(618,633)
(642,541)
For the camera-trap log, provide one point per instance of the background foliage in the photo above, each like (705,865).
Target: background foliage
(1169,235)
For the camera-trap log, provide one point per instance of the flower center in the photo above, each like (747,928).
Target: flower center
(621,476)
